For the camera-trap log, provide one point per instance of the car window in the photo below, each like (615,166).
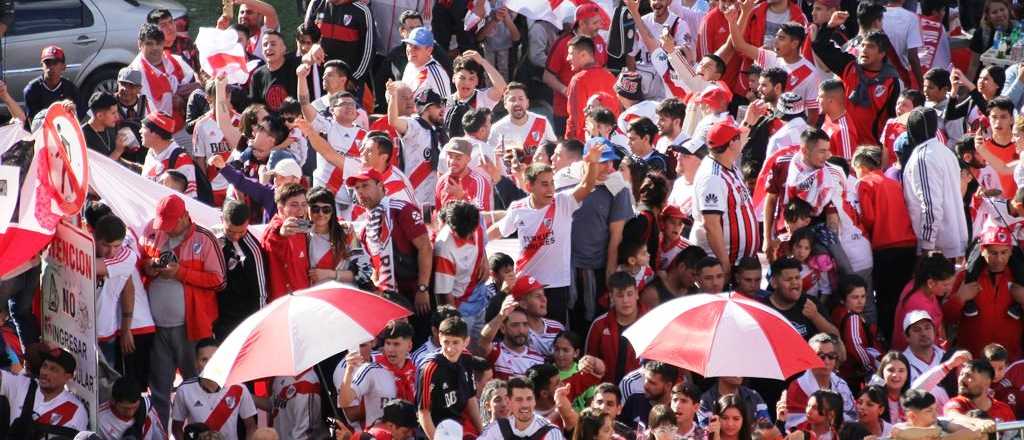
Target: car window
(39,16)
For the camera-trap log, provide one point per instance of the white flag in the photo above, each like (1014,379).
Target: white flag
(220,52)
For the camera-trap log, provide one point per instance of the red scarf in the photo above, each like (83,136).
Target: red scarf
(405,377)
(157,80)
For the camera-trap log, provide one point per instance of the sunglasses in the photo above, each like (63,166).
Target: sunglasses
(828,356)
(321,209)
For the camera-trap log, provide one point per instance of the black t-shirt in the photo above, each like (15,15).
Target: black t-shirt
(38,96)
(795,316)
(103,142)
(272,87)
(445,388)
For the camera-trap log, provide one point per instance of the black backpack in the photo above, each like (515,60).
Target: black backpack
(24,427)
(204,191)
(505,427)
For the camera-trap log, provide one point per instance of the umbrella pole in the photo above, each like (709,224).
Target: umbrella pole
(334,399)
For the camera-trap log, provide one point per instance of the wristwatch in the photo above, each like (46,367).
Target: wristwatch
(422,288)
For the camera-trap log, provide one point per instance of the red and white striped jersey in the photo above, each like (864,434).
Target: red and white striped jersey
(842,135)
(112,426)
(157,163)
(804,76)
(477,189)
(544,341)
(508,363)
(670,251)
(219,410)
(544,235)
(719,189)
(120,268)
(64,410)
(642,109)
(457,263)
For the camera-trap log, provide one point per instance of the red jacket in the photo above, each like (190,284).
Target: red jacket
(883,213)
(288,258)
(603,343)
(201,272)
(585,83)
(559,66)
(991,324)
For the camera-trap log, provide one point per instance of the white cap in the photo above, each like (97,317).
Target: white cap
(286,167)
(914,317)
(448,430)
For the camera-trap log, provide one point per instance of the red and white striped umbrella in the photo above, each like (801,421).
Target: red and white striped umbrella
(295,332)
(719,335)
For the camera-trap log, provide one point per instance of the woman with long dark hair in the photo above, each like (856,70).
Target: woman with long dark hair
(729,419)
(933,280)
(334,253)
(872,405)
(893,376)
(593,424)
(824,415)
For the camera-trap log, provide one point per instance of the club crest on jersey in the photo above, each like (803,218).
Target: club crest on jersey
(197,247)
(230,402)
(792,81)
(536,136)
(879,91)
(347,19)
(290,392)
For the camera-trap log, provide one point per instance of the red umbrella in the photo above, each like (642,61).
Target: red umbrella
(297,331)
(722,335)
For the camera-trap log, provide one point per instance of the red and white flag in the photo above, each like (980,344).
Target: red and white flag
(220,52)
(55,186)
(556,11)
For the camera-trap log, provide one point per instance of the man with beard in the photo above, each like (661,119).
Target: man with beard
(770,85)
(422,136)
(658,380)
(513,355)
(671,115)
(520,128)
(524,423)
(974,391)
(52,404)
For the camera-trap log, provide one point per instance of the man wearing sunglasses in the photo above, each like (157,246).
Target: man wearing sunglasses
(815,379)
(51,86)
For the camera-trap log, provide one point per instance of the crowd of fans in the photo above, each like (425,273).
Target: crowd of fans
(824,157)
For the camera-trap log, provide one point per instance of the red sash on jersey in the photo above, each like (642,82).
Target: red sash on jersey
(58,416)
(353,149)
(327,260)
(536,134)
(290,391)
(420,174)
(222,412)
(159,84)
(538,239)
(337,176)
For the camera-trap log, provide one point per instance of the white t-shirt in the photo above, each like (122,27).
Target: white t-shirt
(374,386)
(483,99)
(544,341)
(643,109)
(455,263)
(547,257)
(120,268)
(192,404)
(682,35)
(493,432)
(507,134)
(773,22)
(207,141)
(64,410)
(430,76)
(113,427)
(904,30)
(682,196)
(804,77)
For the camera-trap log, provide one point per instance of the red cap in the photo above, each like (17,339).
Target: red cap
(524,285)
(161,120)
(365,174)
(721,134)
(994,235)
(716,97)
(607,101)
(672,211)
(590,9)
(52,53)
(170,209)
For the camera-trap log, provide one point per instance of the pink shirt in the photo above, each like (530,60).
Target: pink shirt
(916,300)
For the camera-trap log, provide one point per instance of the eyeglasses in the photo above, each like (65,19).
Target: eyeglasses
(321,209)
(828,356)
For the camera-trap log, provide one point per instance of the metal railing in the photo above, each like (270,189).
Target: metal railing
(1010,430)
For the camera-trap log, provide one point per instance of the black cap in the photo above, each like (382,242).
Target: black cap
(426,98)
(400,412)
(61,357)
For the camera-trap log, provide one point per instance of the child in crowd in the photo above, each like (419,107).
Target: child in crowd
(635,260)
(859,337)
(817,267)
(797,214)
(672,241)
(568,349)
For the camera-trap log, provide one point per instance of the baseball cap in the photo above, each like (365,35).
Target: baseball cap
(715,96)
(420,36)
(994,235)
(790,104)
(52,53)
(458,146)
(427,98)
(608,148)
(286,167)
(914,317)
(130,76)
(524,285)
(169,210)
(400,412)
(448,429)
(722,133)
(365,174)
(628,86)
(61,357)
(688,147)
(672,211)
(161,120)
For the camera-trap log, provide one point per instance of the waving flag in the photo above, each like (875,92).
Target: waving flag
(556,11)
(55,186)
(220,52)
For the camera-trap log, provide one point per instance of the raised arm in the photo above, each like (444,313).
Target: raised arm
(222,111)
(737,21)
(319,144)
(302,73)
(585,186)
(646,37)
(497,81)
(831,55)
(396,121)
(265,9)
